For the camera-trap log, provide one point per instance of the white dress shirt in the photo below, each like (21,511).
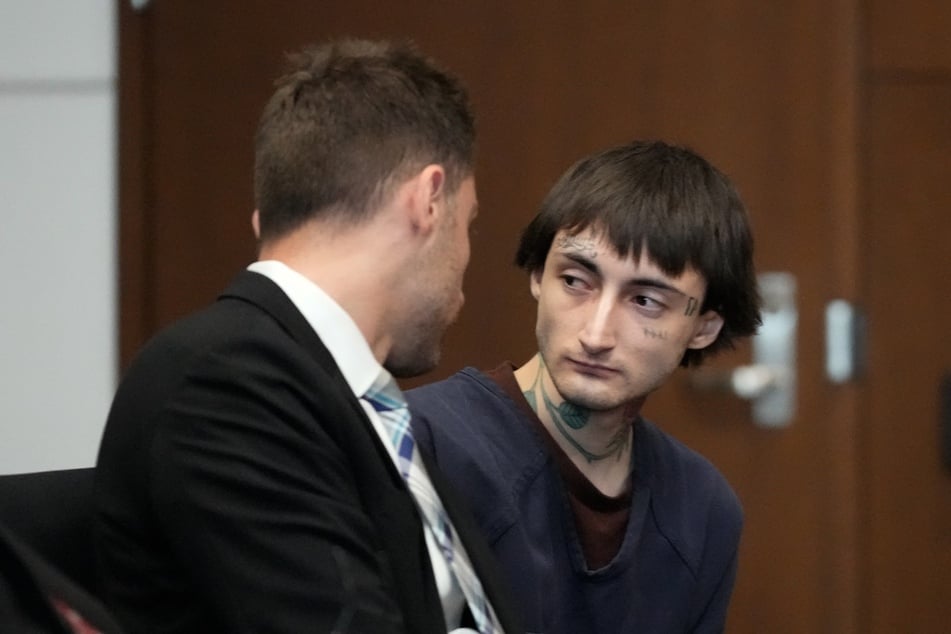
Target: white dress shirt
(351,352)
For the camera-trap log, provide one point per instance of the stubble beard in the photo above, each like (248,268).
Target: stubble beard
(419,349)
(414,366)
(435,307)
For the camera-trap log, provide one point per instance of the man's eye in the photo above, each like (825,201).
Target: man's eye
(647,302)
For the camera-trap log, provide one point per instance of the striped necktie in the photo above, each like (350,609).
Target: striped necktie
(385,397)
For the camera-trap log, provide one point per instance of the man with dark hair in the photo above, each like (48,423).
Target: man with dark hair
(256,472)
(640,260)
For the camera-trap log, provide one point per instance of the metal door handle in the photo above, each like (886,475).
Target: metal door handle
(769,383)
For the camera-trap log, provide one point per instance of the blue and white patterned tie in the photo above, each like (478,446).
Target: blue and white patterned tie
(387,399)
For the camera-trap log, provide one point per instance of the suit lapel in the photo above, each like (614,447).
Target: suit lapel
(268,296)
(387,498)
(261,291)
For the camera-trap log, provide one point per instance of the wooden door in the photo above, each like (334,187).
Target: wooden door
(768,91)
(906,486)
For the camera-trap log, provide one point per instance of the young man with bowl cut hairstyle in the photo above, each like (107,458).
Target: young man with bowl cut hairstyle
(640,260)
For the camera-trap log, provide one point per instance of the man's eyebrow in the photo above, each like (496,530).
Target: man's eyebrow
(649,281)
(581,260)
(657,283)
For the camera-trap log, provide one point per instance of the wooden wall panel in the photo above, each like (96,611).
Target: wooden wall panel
(910,35)
(907,492)
(136,310)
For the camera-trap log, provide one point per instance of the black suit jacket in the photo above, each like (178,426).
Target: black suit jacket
(29,586)
(241,488)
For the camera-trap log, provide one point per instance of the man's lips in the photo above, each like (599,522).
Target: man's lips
(588,367)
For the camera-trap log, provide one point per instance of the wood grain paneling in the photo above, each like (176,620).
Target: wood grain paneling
(912,35)
(136,292)
(907,493)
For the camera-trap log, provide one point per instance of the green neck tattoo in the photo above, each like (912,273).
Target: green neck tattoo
(568,415)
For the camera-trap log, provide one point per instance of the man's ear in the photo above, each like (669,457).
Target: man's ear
(706,331)
(427,198)
(535,283)
(256,224)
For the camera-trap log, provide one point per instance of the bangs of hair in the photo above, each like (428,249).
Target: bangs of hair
(648,196)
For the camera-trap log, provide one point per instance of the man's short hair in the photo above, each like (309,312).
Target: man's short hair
(670,201)
(348,120)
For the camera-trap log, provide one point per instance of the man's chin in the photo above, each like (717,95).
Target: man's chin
(408,368)
(596,398)
(594,402)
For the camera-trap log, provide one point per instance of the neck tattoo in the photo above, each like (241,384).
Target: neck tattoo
(568,416)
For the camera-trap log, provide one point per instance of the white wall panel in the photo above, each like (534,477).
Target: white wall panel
(43,40)
(58,334)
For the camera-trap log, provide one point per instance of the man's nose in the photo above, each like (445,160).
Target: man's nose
(598,332)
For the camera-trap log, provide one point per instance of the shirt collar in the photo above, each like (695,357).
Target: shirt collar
(336,329)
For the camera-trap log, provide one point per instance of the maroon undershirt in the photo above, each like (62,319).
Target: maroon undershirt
(600,520)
